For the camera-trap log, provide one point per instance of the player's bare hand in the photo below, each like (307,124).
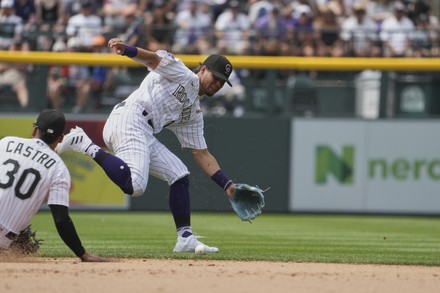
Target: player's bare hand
(87,257)
(117,45)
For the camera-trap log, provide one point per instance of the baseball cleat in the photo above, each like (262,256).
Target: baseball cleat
(190,243)
(76,140)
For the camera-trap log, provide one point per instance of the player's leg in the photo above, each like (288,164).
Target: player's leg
(116,169)
(168,167)
(128,167)
(129,137)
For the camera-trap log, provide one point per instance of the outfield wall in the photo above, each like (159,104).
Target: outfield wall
(310,165)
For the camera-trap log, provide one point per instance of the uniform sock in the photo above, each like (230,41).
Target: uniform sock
(116,169)
(180,203)
(92,150)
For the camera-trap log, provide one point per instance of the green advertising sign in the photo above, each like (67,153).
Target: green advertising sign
(340,166)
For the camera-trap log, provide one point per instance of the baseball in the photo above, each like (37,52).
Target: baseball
(200,249)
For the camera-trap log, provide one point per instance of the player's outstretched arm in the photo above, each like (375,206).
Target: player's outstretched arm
(141,56)
(206,161)
(68,234)
(211,167)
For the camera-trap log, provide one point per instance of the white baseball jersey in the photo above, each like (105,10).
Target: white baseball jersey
(30,173)
(167,97)
(170,96)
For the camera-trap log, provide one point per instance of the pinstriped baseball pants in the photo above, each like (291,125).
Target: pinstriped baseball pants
(129,136)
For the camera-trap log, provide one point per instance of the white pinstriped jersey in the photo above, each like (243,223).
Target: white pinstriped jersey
(30,173)
(169,94)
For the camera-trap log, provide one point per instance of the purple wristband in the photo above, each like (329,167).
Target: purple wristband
(130,51)
(221,179)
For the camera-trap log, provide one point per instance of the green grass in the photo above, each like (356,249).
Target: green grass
(272,237)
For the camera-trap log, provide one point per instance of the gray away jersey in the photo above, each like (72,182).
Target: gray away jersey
(30,173)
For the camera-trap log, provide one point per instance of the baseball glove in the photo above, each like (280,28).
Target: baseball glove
(26,242)
(247,201)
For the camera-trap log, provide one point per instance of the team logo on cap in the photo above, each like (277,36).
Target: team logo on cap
(228,68)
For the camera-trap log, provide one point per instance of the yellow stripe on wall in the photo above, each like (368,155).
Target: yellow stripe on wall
(250,62)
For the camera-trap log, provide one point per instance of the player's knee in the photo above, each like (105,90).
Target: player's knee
(181,176)
(184,182)
(139,186)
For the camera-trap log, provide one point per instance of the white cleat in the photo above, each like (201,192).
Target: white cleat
(76,140)
(190,243)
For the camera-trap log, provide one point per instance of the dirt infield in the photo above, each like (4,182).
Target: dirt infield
(147,275)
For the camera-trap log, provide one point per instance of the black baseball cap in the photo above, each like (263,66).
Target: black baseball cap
(220,66)
(51,121)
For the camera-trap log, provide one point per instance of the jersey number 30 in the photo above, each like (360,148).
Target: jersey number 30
(10,178)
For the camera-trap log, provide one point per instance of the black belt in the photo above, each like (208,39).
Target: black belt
(145,113)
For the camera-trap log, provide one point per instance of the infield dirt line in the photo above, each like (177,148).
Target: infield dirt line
(168,275)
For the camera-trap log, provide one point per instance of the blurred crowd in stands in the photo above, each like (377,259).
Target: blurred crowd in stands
(331,28)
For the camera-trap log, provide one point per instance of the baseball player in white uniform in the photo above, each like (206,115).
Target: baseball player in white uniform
(31,173)
(169,98)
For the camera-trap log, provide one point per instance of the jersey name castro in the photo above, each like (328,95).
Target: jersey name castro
(29,152)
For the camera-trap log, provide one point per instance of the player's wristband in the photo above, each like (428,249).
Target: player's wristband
(221,179)
(130,51)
